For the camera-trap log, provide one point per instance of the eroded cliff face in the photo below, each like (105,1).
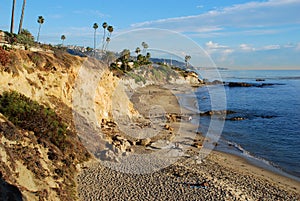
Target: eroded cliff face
(52,78)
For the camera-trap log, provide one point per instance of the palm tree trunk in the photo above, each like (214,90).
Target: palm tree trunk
(103,40)
(12,17)
(38,37)
(95,42)
(22,17)
(107,42)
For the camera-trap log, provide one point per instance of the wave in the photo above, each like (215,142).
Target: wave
(247,154)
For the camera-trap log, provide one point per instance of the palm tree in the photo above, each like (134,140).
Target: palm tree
(41,21)
(104,25)
(95,26)
(145,46)
(148,56)
(107,41)
(22,17)
(12,17)
(63,38)
(110,29)
(187,59)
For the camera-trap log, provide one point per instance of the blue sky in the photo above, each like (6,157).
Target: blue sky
(238,34)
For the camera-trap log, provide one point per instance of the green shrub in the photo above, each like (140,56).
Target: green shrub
(29,115)
(137,78)
(25,38)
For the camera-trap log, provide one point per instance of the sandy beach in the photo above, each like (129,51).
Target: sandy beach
(219,176)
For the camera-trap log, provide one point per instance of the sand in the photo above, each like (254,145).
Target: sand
(219,176)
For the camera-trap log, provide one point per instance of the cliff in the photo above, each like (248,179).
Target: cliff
(79,92)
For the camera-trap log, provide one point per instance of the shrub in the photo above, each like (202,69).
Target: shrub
(25,38)
(29,115)
(4,57)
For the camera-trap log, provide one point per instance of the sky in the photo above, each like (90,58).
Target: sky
(237,34)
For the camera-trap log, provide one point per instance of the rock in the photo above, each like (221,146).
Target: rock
(260,80)
(160,144)
(169,128)
(217,82)
(132,142)
(107,155)
(240,84)
(197,144)
(217,112)
(236,119)
(119,138)
(145,142)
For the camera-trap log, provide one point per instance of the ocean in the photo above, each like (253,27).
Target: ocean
(269,135)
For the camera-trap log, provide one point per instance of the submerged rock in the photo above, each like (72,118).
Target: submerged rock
(217,112)
(236,118)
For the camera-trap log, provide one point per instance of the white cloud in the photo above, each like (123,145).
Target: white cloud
(246,47)
(271,47)
(220,51)
(251,14)
(212,45)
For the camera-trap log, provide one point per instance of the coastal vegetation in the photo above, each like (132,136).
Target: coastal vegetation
(47,131)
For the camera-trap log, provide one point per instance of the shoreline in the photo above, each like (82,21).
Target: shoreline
(220,176)
(255,161)
(235,149)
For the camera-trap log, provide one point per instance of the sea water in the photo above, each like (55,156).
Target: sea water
(270,131)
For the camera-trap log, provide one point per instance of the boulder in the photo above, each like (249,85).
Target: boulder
(107,155)
(145,142)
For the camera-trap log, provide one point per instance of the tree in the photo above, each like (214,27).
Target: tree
(187,59)
(125,55)
(12,17)
(137,51)
(63,38)
(145,46)
(148,56)
(22,17)
(95,26)
(110,29)
(104,26)
(41,21)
